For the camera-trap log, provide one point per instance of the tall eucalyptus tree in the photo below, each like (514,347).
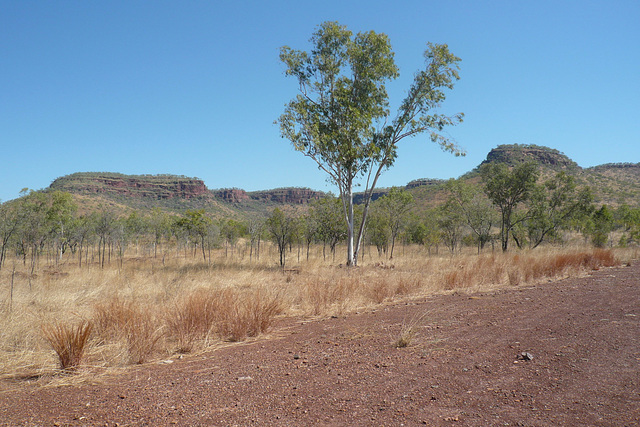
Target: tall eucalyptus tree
(341,118)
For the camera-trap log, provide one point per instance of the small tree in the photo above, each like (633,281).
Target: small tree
(601,226)
(555,205)
(476,209)
(197,225)
(378,231)
(160,227)
(326,213)
(9,226)
(309,228)
(341,117)
(81,229)
(395,206)
(60,215)
(507,188)
(231,231)
(34,227)
(135,227)
(281,227)
(255,228)
(451,224)
(629,219)
(104,226)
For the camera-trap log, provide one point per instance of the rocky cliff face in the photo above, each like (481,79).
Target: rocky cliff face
(157,187)
(514,154)
(168,187)
(232,195)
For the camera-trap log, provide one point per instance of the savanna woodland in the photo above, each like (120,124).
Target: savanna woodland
(89,285)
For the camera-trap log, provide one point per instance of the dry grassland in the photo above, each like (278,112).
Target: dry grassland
(149,309)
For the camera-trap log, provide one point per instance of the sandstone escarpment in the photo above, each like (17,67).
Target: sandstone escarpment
(232,195)
(156,187)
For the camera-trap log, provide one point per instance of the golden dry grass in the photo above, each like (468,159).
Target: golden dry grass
(151,309)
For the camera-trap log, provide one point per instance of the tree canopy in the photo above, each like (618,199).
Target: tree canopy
(507,188)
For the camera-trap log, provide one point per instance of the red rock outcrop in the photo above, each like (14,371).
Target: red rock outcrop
(232,195)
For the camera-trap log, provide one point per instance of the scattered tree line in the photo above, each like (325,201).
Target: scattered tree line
(505,206)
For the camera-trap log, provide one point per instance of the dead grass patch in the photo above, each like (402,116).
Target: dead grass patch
(150,308)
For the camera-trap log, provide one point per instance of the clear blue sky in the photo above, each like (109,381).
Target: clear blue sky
(193,87)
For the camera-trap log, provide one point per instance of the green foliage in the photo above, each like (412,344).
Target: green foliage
(231,230)
(628,219)
(379,231)
(555,205)
(328,216)
(601,225)
(341,117)
(450,220)
(507,188)
(392,209)
(10,219)
(198,226)
(475,209)
(424,229)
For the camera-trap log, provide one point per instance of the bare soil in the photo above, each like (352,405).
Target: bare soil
(463,368)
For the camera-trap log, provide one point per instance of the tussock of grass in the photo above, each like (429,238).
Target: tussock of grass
(248,315)
(192,318)
(409,330)
(129,321)
(68,341)
(227,314)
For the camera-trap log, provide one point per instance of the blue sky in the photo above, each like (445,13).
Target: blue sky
(193,87)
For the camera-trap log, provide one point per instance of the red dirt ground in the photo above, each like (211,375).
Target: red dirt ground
(462,368)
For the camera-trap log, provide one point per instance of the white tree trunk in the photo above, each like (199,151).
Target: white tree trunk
(351,261)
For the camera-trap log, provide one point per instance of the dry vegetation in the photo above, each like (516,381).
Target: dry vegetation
(92,320)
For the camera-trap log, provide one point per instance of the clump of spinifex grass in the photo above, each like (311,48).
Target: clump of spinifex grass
(192,318)
(227,314)
(132,322)
(68,341)
(249,315)
(551,265)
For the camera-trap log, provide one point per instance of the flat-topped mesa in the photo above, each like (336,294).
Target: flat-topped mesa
(139,186)
(424,182)
(288,195)
(516,153)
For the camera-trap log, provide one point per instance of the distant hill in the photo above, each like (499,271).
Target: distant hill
(175,193)
(548,158)
(612,184)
